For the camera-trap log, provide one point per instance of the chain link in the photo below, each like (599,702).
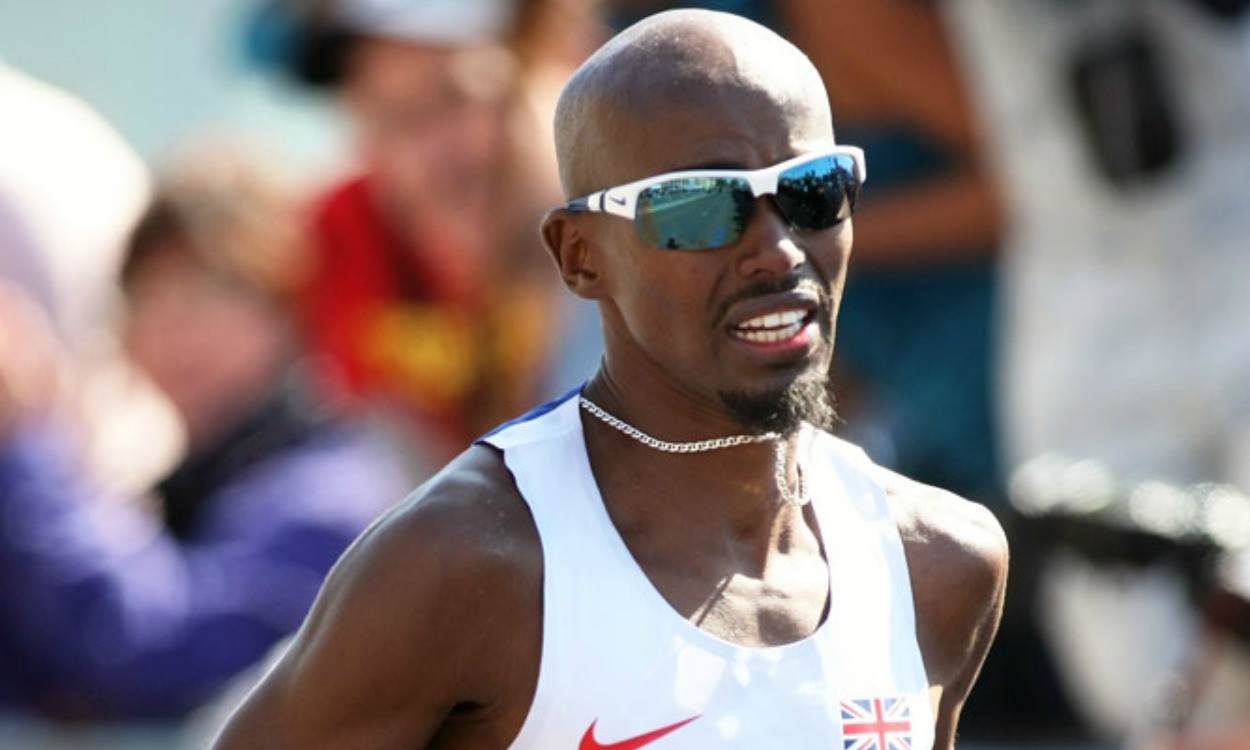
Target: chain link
(783,484)
(697,446)
(701,446)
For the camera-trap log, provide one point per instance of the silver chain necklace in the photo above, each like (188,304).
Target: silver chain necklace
(702,446)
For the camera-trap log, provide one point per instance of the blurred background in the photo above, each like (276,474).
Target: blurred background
(267,264)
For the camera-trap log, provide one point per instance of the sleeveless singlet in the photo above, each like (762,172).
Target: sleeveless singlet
(622,670)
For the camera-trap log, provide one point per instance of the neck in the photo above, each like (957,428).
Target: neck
(666,412)
(722,507)
(743,473)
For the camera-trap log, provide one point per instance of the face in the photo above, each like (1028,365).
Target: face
(747,327)
(207,343)
(432,125)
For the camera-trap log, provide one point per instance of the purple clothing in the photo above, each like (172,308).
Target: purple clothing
(104,613)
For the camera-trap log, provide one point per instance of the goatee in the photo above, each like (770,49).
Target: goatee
(807,399)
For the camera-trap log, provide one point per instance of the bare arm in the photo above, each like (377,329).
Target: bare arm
(845,42)
(404,646)
(950,217)
(958,558)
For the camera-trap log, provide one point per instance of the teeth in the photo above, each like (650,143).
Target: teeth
(773,327)
(784,318)
(770,336)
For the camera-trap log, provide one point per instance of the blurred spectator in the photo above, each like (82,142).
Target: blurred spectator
(432,292)
(622,13)
(70,190)
(1236,738)
(1121,130)
(57,152)
(108,611)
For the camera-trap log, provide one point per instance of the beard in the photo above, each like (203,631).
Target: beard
(806,399)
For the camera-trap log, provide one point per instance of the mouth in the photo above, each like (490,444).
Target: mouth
(774,327)
(781,318)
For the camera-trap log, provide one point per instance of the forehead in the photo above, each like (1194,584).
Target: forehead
(730,131)
(750,116)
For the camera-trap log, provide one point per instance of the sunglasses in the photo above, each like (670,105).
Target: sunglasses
(705,209)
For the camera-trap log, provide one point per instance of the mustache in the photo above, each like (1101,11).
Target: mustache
(764,287)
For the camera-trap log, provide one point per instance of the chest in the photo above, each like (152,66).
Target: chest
(782,604)
(815,650)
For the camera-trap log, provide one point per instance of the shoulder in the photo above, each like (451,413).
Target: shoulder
(435,611)
(939,526)
(958,557)
(468,522)
(450,578)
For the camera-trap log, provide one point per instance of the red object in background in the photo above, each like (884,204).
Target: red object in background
(411,326)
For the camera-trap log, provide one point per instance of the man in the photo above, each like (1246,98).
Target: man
(572,581)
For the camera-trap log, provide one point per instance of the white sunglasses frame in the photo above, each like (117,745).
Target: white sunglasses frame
(622,200)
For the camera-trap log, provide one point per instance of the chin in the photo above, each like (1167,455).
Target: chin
(785,408)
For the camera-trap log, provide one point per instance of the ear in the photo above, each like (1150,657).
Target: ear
(576,256)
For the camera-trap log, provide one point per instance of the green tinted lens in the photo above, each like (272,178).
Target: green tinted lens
(819,193)
(696,213)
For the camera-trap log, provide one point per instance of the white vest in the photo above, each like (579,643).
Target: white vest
(621,669)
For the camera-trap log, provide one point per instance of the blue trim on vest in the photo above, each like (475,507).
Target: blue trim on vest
(534,413)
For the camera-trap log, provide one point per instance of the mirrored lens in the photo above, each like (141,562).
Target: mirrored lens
(696,213)
(819,193)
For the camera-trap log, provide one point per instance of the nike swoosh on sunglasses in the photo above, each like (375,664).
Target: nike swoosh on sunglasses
(703,209)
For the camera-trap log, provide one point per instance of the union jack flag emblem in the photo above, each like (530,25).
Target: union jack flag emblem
(876,724)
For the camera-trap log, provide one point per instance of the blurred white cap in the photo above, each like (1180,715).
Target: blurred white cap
(434,21)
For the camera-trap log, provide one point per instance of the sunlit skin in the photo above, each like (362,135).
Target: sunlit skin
(429,633)
(668,315)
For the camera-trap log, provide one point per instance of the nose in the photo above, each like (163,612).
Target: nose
(768,247)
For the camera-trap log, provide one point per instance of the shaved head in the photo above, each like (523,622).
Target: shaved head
(679,58)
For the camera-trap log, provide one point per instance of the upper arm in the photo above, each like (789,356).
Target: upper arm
(947,212)
(926,85)
(405,630)
(975,621)
(958,558)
